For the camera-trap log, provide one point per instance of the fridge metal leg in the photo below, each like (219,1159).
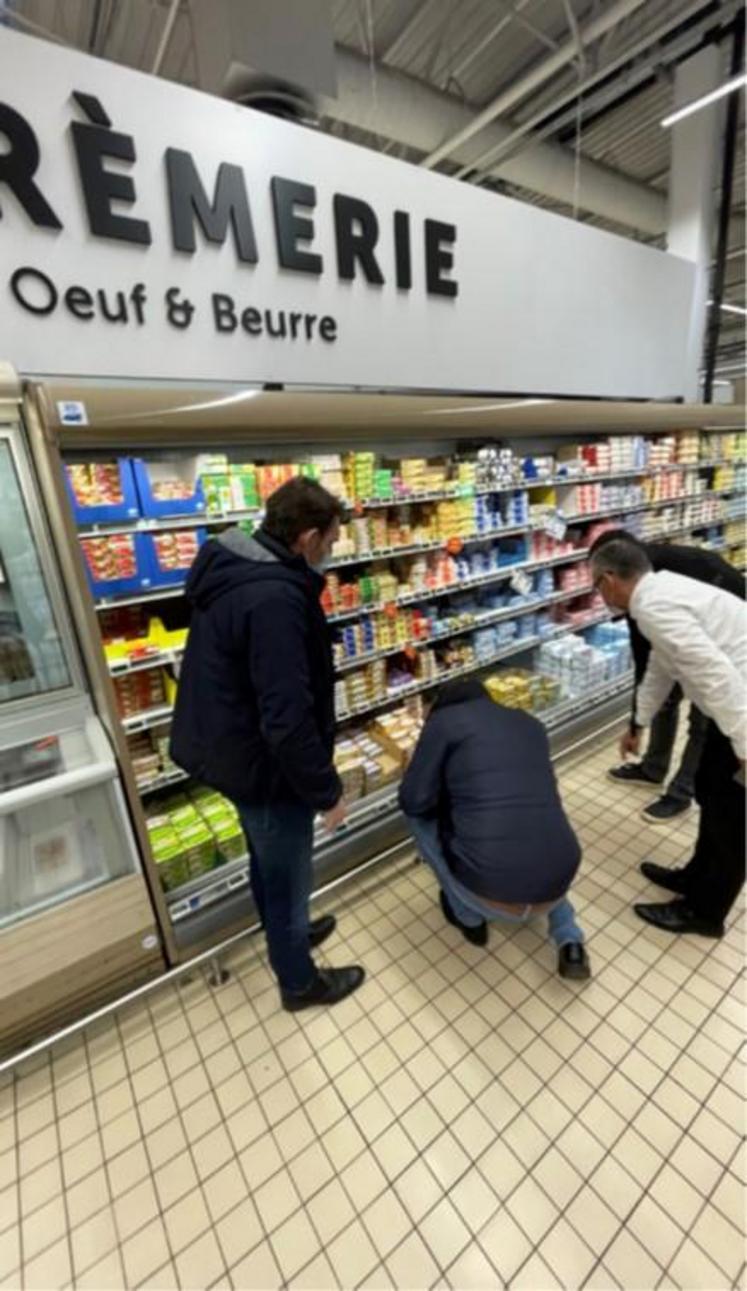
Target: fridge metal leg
(218,975)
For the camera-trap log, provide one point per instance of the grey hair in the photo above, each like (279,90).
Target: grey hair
(622,557)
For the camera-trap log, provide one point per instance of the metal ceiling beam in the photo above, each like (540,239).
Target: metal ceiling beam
(474,53)
(509,146)
(533,79)
(403,35)
(405,109)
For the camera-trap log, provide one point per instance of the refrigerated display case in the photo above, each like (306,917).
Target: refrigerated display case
(469,526)
(76,919)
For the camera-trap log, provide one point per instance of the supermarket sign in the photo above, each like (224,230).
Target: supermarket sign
(148,230)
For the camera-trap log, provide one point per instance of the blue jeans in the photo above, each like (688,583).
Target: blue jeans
(280,840)
(469,908)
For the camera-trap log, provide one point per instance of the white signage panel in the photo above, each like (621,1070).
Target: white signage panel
(148,230)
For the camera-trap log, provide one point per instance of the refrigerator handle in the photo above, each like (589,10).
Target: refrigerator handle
(68,782)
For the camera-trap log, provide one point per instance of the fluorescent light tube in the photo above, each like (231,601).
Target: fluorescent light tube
(727,88)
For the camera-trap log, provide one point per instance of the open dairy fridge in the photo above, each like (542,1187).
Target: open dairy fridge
(469,524)
(76,919)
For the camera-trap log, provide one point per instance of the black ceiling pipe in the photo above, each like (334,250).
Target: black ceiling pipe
(727,185)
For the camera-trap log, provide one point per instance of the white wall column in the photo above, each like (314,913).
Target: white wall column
(692,180)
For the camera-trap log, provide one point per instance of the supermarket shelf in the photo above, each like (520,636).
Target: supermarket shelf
(463,585)
(438,544)
(156,659)
(480,621)
(208,888)
(196,894)
(163,781)
(215,518)
(519,645)
(150,717)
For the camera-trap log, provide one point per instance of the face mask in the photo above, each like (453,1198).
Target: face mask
(321,566)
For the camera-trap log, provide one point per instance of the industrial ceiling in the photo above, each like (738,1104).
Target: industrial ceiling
(554,102)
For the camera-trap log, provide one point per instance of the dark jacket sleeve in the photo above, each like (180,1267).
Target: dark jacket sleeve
(279,668)
(421,786)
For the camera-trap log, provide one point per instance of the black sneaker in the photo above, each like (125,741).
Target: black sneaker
(320,929)
(665,809)
(573,961)
(664,877)
(476,936)
(631,773)
(329,987)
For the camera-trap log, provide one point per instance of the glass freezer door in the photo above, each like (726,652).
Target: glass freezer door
(33,661)
(63,827)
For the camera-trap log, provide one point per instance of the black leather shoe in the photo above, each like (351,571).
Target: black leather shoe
(476,936)
(329,987)
(678,916)
(573,961)
(672,880)
(665,809)
(320,929)
(631,773)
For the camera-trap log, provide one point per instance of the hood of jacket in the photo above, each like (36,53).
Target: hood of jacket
(237,558)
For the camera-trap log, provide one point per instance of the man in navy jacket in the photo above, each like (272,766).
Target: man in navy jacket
(255,716)
(481,800)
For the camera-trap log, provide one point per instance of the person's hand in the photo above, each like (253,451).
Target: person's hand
(630,743)
(335,817)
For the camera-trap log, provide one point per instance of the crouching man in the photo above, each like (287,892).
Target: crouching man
(483,806)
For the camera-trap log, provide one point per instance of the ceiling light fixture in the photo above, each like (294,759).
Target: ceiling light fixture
(731,309)
(727,88)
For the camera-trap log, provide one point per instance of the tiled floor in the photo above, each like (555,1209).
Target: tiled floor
(466,1120)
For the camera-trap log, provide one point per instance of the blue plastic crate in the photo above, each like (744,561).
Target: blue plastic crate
(140,580)
(159,576)
(156,508)
(127,509)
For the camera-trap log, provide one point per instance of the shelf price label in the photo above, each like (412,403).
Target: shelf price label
(554,525)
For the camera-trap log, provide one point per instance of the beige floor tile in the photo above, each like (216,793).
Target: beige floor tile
(445,1233)
(127,1169)
(412,1265)
(394,1151)
(532,1209)
(200,1264)
(43,1227)
(258,1271)
(49,1270)
(446,1159)
(567,1255)
(316,1276)
(418,1190)
(276,1200)
(260,1161)
(352,1255)
(387,1223)
(121,1133)
(10,1250)
(593,1220)
(239,1231)
(93,1240)
(697,1165)
(474,1200)
(186,1220)
(310,1170)
(107,1275)
(630,1263)
(41,1186)
(175,1179)
(721,1240)
(472,1271)
(330,1211)
(295,1244)
(505,1244)
(692,1270)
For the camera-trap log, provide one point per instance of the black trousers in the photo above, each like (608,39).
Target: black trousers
(716,873)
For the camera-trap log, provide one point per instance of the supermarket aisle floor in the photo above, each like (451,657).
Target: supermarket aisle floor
(466,1120)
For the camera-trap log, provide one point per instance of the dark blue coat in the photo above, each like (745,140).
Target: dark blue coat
(255,704)
(485,773)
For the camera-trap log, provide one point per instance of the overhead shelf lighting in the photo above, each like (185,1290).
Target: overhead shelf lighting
(727,88)
(731,309)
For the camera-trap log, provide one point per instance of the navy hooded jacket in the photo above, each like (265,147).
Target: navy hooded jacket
(484,773)
(254,714)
